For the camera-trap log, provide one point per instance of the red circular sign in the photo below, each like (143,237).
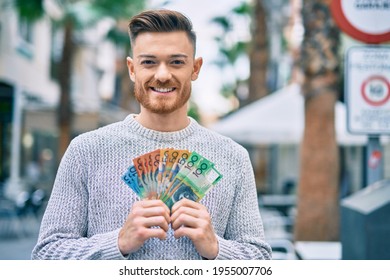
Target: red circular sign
(354,31)
(376,90)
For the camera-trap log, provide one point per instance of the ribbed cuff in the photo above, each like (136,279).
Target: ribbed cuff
(225,252)
(109,246)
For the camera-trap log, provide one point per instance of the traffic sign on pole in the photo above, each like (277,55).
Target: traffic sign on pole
(367,74)
(367,90)
(365,20)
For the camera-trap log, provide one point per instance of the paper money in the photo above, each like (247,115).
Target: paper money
(132,180)
(170,175)
(194,183)
(147,170)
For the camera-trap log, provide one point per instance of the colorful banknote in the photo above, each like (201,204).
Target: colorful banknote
(170,175)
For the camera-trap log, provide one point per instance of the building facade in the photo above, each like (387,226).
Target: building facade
(30,93)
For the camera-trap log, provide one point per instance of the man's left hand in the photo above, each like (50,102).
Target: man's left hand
(192,219)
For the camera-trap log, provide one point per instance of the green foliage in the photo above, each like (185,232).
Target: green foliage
(119,37)
(228,90)
(223,22)
(235,51)
(193,111)
(245,8)
(119,8)
(30,10)
(230,51)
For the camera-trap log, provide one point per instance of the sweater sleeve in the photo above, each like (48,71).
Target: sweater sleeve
(63,233)
(244,236)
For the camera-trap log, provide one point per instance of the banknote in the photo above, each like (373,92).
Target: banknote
(175,162)
(171,174)
(147,170)
(132,180)
(195,184)
(186,168)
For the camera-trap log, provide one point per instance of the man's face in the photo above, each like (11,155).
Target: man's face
(162,69)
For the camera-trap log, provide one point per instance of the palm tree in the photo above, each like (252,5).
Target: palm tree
(73,20)
(318,199)
(258,53)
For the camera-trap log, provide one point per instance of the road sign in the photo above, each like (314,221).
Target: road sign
(367,90)
(365,20)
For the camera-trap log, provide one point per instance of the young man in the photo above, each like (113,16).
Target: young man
(92,214)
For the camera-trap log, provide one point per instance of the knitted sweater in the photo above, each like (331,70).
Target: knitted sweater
(89,202)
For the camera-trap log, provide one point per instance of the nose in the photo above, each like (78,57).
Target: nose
(163,74)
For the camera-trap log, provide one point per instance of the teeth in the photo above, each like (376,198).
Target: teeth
(163,89)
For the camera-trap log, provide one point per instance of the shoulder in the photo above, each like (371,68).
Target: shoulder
(98,136)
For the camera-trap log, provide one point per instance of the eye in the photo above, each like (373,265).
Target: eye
(177,62)
(147,62)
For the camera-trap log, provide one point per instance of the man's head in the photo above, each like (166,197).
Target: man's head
(163,64)
(161,21)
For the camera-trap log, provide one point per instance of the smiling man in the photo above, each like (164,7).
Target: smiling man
(92,214)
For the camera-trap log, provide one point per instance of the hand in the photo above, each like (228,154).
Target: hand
(138,226)
(192,219)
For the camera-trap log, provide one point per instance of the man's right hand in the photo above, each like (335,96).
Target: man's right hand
(137,229)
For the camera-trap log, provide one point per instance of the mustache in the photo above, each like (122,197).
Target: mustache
(167,84)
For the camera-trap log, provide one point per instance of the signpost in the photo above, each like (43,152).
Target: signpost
(367,74)
(367,95)
(365,20)
(367,89)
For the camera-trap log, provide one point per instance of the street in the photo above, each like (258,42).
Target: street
(18,245)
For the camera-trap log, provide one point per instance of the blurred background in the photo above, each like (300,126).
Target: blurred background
(273,80)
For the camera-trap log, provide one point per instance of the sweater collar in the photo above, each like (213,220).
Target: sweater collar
(155,135)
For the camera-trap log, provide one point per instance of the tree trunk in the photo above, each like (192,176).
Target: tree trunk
(65,112)
(258,55)
(318,199)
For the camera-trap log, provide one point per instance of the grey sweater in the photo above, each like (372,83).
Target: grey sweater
(90,202)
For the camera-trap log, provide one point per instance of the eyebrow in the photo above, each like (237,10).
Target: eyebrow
(153,56)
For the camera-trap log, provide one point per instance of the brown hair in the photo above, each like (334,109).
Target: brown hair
(161,21)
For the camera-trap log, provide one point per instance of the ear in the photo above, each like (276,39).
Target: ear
(130,67)
(197,65)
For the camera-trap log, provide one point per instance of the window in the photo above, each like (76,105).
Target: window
(26,31)
(26,38)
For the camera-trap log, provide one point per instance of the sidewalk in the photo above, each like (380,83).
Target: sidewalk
(19,246)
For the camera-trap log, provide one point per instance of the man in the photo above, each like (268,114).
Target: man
(93,215)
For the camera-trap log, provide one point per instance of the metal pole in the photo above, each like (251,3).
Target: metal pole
(374,170)
(14,184)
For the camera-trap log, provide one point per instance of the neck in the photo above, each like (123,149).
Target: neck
(174,121)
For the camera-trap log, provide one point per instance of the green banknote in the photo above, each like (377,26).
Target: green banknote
(194,182)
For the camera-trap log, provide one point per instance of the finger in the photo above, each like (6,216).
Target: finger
(154,232)
(152,203)
(191,233)
(152,212)
(150,209)
(185,210)
(156,221)
(187,221)
(185,202)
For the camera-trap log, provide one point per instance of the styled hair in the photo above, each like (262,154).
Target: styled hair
(161,21)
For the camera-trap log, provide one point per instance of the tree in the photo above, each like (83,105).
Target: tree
(73,20)
(230,51)
(258,53)
(256,49)
(318,199)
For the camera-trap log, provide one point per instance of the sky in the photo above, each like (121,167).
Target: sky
(206,88)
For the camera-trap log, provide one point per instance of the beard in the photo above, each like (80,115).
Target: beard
(162,104)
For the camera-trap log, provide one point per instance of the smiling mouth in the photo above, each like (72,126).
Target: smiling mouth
(163,90)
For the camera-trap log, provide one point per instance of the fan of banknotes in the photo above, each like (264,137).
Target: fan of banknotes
(170,175)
